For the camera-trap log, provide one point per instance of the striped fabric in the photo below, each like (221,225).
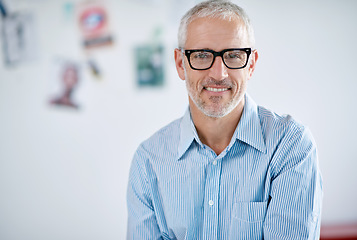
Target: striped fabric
(265,185)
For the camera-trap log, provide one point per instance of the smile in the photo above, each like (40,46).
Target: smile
(216,89)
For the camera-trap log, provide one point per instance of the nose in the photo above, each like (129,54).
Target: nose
(218,70)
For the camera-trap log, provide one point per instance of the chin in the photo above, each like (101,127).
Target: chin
(217,113)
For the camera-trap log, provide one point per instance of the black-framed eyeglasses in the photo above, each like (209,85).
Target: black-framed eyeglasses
(203,59)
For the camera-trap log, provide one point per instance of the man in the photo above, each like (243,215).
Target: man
(228,169)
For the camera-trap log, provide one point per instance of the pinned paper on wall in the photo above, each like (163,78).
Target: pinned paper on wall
(149,65)
(19,40)
(68,11)
(65,79)
(94,25)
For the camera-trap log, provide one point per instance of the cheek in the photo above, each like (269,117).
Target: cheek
(194,78)
(240,80)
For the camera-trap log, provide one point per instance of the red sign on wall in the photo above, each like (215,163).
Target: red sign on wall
(93,22)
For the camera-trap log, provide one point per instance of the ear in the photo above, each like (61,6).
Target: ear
(253,62)
(179,63)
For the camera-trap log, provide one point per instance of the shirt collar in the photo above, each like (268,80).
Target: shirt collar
(249,129)
(188,133)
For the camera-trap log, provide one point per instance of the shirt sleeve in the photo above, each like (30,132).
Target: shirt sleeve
(294,210)
(142,222)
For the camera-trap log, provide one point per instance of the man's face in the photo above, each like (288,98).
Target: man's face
(218,90)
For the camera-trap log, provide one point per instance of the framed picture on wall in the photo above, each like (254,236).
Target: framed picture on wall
(149,65)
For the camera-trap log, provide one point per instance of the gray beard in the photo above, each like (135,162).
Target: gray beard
(219,112)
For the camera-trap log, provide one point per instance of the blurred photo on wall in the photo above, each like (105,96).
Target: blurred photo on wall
(149,65)
(64,84)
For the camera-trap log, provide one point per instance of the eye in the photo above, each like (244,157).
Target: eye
(234,55)
(202,55)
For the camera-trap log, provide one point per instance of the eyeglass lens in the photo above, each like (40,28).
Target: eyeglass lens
(204,59)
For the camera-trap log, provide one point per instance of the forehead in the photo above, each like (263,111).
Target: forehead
(216,34)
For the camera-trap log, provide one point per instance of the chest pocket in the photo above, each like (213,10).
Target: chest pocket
(247,220)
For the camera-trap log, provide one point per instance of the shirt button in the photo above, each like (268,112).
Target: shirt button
(210,202)
(214,162)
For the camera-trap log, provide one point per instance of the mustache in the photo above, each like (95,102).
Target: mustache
(219,83)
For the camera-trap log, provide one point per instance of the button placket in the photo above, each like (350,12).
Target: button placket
(212,198)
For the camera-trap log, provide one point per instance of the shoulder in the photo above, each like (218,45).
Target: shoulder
(282,128)
(289,142)
(164,142)
(272,121)
(157,153)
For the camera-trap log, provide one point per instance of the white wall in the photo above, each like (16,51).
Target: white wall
(63,173)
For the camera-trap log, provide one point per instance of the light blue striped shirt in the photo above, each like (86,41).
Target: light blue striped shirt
(265,185)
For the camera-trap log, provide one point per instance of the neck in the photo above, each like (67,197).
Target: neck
(216,132)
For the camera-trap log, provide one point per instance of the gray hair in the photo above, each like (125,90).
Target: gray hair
(222,9)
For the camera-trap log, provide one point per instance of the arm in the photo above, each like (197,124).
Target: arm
(142,222)
(294,210)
